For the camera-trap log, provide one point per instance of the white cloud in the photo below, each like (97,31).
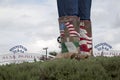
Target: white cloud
(105,18)
(38,45)
(24,23)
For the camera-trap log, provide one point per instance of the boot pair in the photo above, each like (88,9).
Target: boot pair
(75,35)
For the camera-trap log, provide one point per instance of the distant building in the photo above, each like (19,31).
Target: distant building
(18,54)
(104,49)
(22,57)
(110,53)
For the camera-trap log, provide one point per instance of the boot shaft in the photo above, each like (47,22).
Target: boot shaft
(85,37)
(69,33)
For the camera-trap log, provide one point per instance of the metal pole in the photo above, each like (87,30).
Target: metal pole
(14,57)
(46,51)
(102,51)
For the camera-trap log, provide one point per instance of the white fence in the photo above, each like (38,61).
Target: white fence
(19,58)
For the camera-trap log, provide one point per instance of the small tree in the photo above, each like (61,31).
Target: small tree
(53,53)
(35,59)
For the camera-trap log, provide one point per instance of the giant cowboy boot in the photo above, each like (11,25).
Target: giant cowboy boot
(86,37)
(69,34)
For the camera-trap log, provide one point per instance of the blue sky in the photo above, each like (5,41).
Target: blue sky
(34,24)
